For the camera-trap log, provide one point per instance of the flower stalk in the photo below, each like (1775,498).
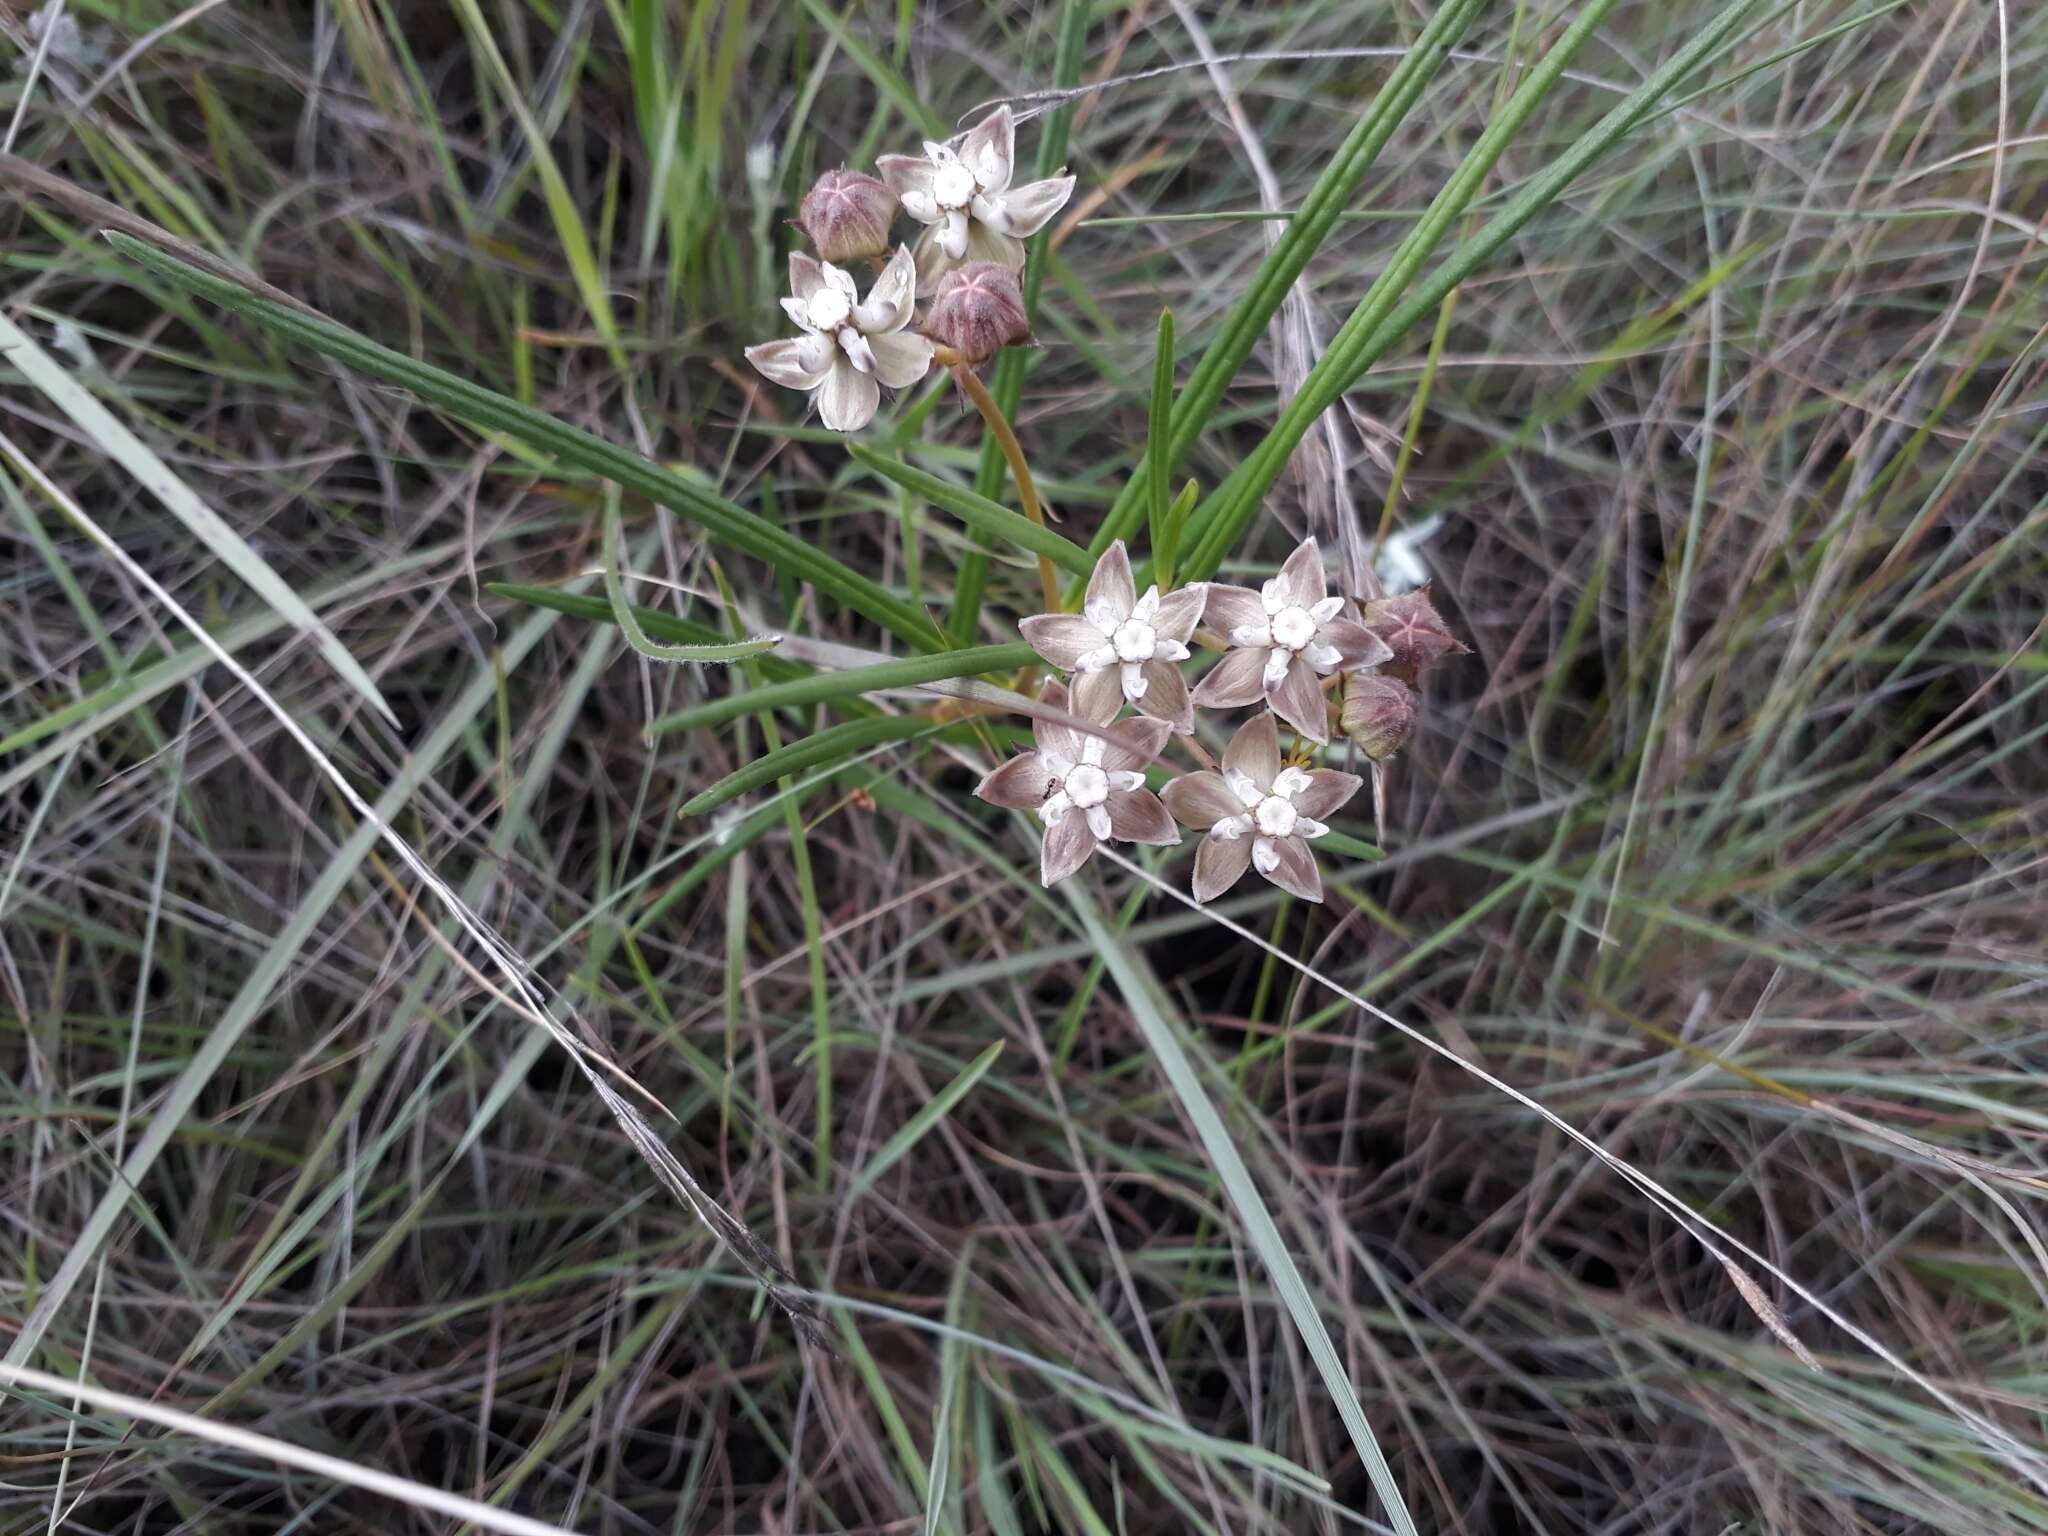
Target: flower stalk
(1013,453)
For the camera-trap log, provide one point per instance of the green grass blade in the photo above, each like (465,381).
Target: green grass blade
(113,438)
(728,524)
(1380,320)
(1163,1032)
(919,1125)
(977,511)
(826,687)
(636,637)
(831,745)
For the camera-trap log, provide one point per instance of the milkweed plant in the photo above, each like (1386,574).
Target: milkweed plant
(1291,652)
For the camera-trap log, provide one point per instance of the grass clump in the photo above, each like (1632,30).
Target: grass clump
(509,990)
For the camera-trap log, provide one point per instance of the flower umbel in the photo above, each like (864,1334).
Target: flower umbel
(1258,814)
(1285,638)
(960,191)
(1121,646)
(1086,786)
(848,348)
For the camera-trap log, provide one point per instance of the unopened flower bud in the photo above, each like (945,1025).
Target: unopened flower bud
(978,310)
(1379,713)
(847,215)
(1414,631)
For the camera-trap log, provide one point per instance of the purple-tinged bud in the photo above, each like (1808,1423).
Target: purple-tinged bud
(978,310)
(847,215)
(1379,713)
(1414,631)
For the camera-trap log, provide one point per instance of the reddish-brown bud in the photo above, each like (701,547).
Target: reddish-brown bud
(847,215)
(1414,631)
(978,310)
(1379,713)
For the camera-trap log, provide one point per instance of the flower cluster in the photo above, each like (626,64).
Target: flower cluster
(967,261)
(1283,644)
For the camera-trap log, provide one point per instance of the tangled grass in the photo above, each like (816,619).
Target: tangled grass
(1725,848)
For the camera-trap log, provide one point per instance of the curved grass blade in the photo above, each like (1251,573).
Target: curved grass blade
(629,626)
(723,521)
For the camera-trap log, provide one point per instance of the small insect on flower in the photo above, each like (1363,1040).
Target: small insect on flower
(1258,814)
(1087,786)
(960,191)
(1285,637)
(1121,646)
(977,311)
(847,215)
(848,348)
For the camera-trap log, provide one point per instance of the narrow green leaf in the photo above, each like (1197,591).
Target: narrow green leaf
(830,745)
(636,637)
(977,511)
(1162,1032)
(113,438)
(1159,450)
(920,1124)
(1300,237)
(726,523)
(824,687)
(1380,319)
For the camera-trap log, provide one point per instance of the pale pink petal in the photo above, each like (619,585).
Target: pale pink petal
(1055,736)
(1301,578)
(906,173)
(1179,612)
(1239,678)
(1166,695)
(989,149)
(1134,743)
(1021,784)
(1327,790)
(1356,645)
(1136,816)
(1027,208)
(889,302)
(1098,695)
(1068,842)
(1219,864)
(806,275)
(1292,867)
(902,359)
(782,363)
(1062,638)
(1255,751)
(1299,701)
(1200,800)
(848,397)
(1110,589)
(1231,608)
